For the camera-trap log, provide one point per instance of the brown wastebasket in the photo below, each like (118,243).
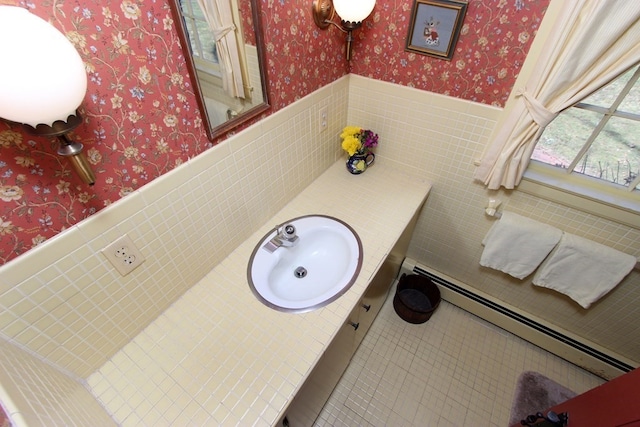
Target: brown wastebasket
(416,298)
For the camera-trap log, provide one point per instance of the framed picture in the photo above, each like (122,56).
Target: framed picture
(435,27)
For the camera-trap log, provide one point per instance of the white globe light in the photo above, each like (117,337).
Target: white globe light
(42,77)
(353,10)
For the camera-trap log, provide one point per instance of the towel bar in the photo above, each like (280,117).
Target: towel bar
(493,213)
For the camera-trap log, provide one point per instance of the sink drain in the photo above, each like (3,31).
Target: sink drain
(300,272)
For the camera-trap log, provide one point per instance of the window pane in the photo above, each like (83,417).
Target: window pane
(565,136)
(191,35)
(615,154)
(190,25)
(200,36)
(631,104)
(208,44)
(605,96)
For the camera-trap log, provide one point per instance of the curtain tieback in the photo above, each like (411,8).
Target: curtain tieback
(539,112)
(221,32)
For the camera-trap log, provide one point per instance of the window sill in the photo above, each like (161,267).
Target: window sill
(582,193)
(208,67)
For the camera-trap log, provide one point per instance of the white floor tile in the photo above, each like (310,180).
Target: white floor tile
(454,370)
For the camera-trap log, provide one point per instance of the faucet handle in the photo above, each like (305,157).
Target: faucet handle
(288,232)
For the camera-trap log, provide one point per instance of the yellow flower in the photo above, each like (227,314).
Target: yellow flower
(351,144)
(350,131)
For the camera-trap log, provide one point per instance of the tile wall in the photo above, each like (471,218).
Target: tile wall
(44,395)
(66,305)
(442,138)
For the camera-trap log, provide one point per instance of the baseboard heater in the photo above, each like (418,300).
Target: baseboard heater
(571,348)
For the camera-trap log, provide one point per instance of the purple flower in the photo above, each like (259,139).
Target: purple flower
(369,139)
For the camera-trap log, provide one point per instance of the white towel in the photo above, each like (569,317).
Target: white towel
(517,245)
(583,270)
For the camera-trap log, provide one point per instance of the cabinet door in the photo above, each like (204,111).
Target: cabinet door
(309,401)
(372,301)
(378,289)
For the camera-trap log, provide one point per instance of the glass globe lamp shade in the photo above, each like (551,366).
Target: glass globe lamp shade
(353,10)
(42,77)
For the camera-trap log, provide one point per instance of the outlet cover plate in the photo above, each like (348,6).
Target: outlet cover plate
(323,119)
(124,255)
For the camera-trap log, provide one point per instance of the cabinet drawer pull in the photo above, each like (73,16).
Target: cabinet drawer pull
(354,324)
(366,307)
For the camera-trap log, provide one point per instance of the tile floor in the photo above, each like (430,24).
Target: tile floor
(454,370)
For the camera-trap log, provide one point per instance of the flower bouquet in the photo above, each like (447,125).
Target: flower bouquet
(358,142)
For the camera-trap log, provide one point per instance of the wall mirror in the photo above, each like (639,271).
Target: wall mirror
(228,76)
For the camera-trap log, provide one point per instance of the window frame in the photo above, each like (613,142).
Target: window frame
(578,192)
(590,194)
(581,192)
(606,114)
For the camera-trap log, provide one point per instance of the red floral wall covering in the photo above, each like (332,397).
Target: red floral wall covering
(141,118)
(494,41)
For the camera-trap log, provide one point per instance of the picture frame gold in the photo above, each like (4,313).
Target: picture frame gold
(435,27)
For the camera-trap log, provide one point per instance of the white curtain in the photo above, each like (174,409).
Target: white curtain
(220,19)
(592,42)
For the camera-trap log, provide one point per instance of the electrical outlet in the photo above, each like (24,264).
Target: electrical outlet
(323,119)
(124,255)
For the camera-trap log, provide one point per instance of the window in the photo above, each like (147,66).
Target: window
(589,156)
(203,45)
(599,137)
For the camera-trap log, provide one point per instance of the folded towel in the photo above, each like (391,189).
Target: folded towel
(517,245)
(583,270)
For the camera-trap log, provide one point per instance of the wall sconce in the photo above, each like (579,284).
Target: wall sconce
(351,12)
(42,82)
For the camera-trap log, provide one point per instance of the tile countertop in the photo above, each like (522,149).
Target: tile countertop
(219,356)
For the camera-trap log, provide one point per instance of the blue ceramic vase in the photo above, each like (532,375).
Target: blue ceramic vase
(359,162)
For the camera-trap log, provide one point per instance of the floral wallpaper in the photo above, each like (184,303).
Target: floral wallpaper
(494,41)
(141,118)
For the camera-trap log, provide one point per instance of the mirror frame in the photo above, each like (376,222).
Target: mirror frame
(214,132)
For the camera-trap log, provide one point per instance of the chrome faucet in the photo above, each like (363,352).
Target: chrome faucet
(285,236)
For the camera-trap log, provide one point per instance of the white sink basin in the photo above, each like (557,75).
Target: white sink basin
(321,266)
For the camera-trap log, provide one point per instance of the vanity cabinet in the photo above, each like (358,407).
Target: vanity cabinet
(314,393)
